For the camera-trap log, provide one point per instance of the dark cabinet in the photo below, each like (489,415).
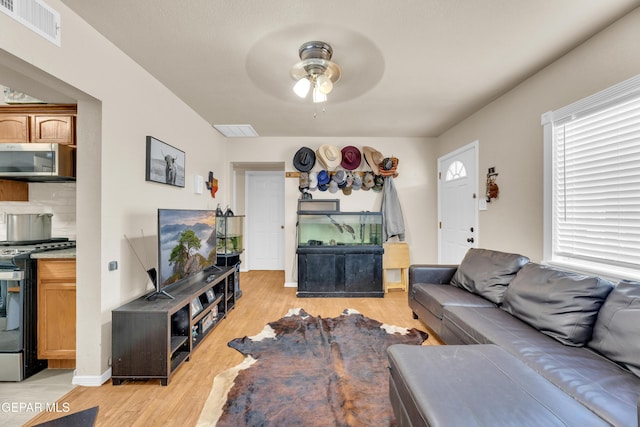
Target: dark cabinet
(152,338)
(340,271)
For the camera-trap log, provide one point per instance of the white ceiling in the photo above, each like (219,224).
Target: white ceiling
(410,67)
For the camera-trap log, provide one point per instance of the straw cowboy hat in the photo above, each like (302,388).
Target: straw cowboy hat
(373,158)
(329,156)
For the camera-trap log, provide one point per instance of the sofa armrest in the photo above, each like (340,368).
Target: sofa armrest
(431,273)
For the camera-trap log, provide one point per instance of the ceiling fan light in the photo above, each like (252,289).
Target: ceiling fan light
(324,84)
(302,86)
(318,96)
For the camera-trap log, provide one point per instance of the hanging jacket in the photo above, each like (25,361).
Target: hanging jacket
(392,220)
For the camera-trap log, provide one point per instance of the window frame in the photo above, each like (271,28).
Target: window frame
(616,93)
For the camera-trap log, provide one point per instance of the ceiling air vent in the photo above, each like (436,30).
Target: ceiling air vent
(236,131)
(35,15)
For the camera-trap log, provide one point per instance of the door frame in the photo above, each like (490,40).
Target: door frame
(475,146)
(254,174)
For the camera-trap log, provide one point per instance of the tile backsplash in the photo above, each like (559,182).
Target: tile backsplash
(56,198)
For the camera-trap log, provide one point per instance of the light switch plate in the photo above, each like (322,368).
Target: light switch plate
(198,184)
(482,204)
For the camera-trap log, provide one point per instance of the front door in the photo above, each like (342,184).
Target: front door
(265,220)
(457,203)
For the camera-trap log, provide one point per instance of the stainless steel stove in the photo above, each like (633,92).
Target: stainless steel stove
(8,250)
(18,306)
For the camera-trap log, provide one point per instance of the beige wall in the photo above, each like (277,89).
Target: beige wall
(119,103)
(416,186)
(510,133)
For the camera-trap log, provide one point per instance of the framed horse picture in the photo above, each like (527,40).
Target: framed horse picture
(165,163)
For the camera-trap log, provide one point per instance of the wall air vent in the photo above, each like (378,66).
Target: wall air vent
(35,15)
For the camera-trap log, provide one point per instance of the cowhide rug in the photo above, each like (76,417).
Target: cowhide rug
(309,371)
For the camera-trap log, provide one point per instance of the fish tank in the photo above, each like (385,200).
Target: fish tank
(229,232)
(339,228)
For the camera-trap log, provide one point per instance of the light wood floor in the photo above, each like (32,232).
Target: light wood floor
(264,299)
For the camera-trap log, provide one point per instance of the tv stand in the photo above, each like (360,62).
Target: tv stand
(152,337)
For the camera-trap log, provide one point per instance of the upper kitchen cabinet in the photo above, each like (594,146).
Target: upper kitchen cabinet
(48,123)
(14,127)
(57,129)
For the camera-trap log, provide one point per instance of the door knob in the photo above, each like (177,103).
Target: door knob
(470,240)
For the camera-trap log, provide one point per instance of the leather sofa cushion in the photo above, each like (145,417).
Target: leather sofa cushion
(558,303)
(598,383)
(477,385)
(435,297)
(487,273)
(616,333)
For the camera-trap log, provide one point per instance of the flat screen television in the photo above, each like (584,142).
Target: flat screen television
(186,244)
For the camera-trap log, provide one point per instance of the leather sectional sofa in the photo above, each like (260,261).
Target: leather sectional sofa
(527,344)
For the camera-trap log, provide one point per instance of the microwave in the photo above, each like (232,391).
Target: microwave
(37,162)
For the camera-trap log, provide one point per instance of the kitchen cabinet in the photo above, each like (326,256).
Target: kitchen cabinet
(14,127)
(57,129)
(57,312)
(48,123)
(13,191)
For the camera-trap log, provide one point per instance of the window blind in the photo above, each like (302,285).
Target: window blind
(596,183)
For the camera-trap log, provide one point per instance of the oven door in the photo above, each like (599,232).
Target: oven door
(11,311)
(11,325)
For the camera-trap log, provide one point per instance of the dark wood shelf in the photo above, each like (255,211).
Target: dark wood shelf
(177,341)
(151,339)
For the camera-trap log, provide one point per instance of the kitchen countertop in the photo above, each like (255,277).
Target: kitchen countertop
(59,253)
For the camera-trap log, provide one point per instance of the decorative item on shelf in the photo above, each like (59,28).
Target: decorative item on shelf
(315,71)
(219,211)
(212,185)
(492,190)
(211,296)
(304,160)
(164,163)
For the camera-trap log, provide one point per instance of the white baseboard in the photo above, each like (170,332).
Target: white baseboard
(290,284)
(91,380)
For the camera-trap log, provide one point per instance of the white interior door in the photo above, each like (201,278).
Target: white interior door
(457,203)
(265,220)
